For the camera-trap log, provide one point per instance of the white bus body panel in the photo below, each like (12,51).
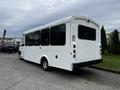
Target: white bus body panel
(63,60)
(85,50)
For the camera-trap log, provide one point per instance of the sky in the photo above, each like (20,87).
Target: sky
(17,16)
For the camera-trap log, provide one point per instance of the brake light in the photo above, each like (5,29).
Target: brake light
(100,50)
(74,51)
(74,56)
(74,46)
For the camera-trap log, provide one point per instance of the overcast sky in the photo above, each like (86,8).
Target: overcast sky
(20,15)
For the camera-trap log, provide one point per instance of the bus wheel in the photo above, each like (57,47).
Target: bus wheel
(45,65)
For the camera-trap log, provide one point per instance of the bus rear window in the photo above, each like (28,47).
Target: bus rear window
(86,33)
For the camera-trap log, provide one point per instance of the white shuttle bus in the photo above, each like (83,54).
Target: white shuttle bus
(69,44)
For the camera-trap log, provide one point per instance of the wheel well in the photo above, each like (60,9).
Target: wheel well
(42,59)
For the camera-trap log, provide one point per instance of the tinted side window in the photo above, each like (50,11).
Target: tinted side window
(45,37)
(86,33)
(29,39)
(58,35)
(26,40)
(37,38)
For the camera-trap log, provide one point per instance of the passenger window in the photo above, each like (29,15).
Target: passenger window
(29,39)
(45,37)
(58,35)
(26,40)
(37,38)
(86,33)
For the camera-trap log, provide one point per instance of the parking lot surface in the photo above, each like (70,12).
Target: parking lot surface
(18,74)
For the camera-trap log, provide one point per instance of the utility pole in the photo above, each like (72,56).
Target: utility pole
(3,39)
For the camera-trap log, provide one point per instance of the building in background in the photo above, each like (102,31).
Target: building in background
(6,41)
(10,40)
(17,41)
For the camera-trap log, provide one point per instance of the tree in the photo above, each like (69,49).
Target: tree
(103,40)
(115,45)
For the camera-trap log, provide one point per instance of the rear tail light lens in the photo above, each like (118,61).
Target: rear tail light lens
(74,51)
(74,56)
(100,50)
(74,46)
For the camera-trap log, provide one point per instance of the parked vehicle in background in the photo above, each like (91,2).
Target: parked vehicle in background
(11,48)
(0,48)
(8,49)
(68,44)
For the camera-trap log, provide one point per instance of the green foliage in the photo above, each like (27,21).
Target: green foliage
(115,44)
(110,62)
(103,40)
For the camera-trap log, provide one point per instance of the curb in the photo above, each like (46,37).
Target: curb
(117,72)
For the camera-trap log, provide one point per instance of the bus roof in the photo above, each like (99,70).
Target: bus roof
(61,21)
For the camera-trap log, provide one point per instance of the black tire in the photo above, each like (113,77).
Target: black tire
(76,70)
(45,65)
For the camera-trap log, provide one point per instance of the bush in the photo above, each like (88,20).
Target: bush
(115,44)
(103,40)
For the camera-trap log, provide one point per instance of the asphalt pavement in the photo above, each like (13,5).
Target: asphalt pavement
(18,74)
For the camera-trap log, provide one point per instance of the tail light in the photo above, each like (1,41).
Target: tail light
(74,56)
(100,50)
(74,51)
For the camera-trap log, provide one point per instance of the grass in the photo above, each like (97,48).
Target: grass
(110,62)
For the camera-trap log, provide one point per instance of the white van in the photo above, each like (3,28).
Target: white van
(69,44)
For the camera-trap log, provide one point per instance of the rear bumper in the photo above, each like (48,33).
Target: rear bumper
(83,64)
